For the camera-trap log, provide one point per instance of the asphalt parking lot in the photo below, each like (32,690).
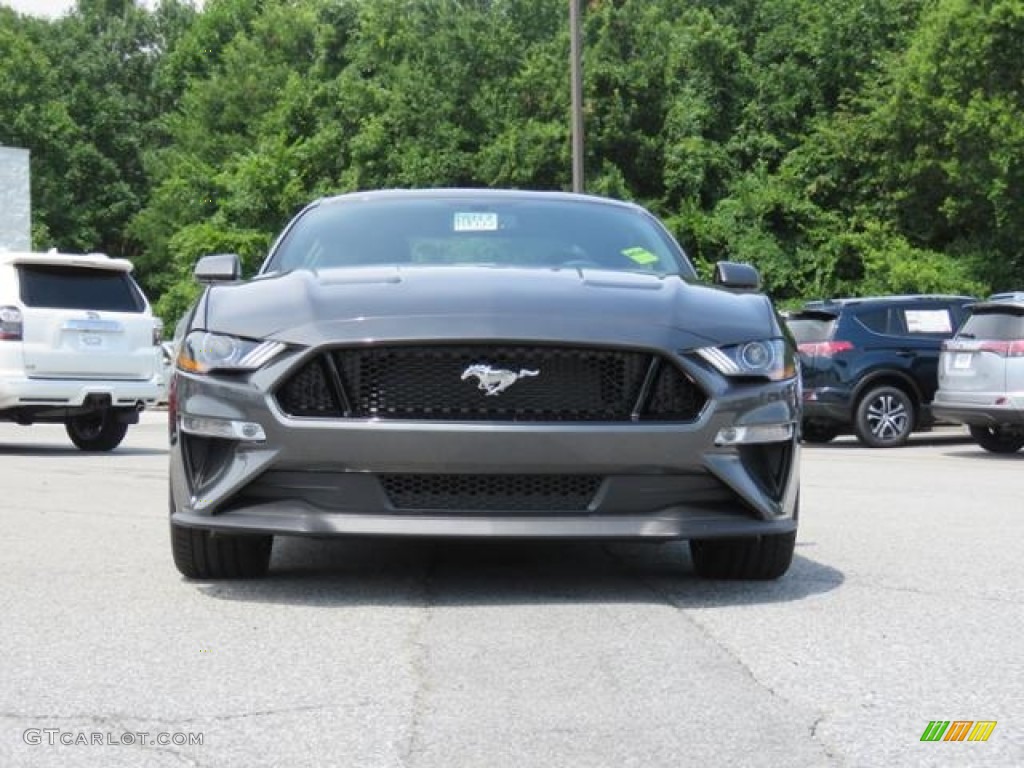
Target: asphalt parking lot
(905,605)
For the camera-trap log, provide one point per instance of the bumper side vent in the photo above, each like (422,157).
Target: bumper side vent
(769,463)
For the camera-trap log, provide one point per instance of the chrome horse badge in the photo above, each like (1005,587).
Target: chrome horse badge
(494,381)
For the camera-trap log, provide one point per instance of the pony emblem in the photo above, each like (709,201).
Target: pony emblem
(494,381)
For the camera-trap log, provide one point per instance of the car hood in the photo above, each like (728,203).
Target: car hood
(408,303)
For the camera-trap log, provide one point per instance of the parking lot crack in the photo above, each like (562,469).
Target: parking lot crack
(122,720)
(417,649)
(260,713)
(936,593)
(816,737)
(111,720)
(667,598)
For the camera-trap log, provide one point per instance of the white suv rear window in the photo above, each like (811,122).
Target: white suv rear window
(60,287)
(994,325)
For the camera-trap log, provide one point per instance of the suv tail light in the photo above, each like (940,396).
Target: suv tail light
(1004,348)
(824,348)
(10,324)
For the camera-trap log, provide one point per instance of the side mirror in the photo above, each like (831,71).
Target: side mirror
(737,276)
(218,268)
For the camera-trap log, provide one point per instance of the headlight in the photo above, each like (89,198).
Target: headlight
(769,358)
(203,352)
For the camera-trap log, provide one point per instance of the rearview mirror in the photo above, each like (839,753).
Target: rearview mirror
(218,268)
(737,276)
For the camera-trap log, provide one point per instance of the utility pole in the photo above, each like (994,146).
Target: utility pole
(576,74)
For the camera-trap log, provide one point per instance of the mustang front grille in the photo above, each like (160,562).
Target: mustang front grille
(546,493)
(507,383)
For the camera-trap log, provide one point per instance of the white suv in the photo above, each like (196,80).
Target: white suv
(78,345)
(981,374)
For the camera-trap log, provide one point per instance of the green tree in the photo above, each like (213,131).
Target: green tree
(954,127)
(34,116)
(841,147)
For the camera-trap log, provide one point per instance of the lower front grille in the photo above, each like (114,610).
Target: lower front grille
(543,493)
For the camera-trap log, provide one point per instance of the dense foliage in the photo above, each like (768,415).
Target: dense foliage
(842,146)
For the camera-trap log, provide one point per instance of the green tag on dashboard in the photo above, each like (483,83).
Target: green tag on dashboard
(640,255)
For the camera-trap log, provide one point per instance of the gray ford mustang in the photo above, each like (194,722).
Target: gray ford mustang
(482,363)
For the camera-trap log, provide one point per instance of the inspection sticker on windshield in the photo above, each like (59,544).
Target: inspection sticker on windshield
(475,221)
(640,255)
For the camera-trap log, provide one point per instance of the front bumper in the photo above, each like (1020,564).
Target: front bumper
(980,409)
(313,476)
(297,520)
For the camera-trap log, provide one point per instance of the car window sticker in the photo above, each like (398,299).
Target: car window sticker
(640,256)
(928,321)
(475,221)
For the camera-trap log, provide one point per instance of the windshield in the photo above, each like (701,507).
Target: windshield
(467,231)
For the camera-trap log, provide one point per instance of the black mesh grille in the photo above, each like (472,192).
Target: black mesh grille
(673,397)
(308,393)
(431,383)
(572,384)
(571,493)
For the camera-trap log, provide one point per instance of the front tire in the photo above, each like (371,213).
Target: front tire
(200,554)
(755,558)
(885,417)
(99,431)
(995,440)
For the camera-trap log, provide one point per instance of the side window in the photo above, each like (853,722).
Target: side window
(929,321)
(876,320)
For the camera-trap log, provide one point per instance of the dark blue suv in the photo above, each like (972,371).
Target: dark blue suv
(871,364)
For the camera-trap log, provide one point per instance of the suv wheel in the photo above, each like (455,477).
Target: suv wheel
(815,432)
(98,431)
(757,557)
(995,440)
(200,554)
(885,417)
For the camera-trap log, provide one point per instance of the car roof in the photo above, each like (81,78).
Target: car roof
(836,304)
(462,193)
(1013,300)
(1010,296)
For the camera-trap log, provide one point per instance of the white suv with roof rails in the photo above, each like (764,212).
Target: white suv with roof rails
(79,345)
(981,374)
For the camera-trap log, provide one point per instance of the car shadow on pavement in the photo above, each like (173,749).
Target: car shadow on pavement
(65,451)
(412,573)
(981,453)
(918,439)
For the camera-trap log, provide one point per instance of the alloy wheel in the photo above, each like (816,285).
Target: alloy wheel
(888,417)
